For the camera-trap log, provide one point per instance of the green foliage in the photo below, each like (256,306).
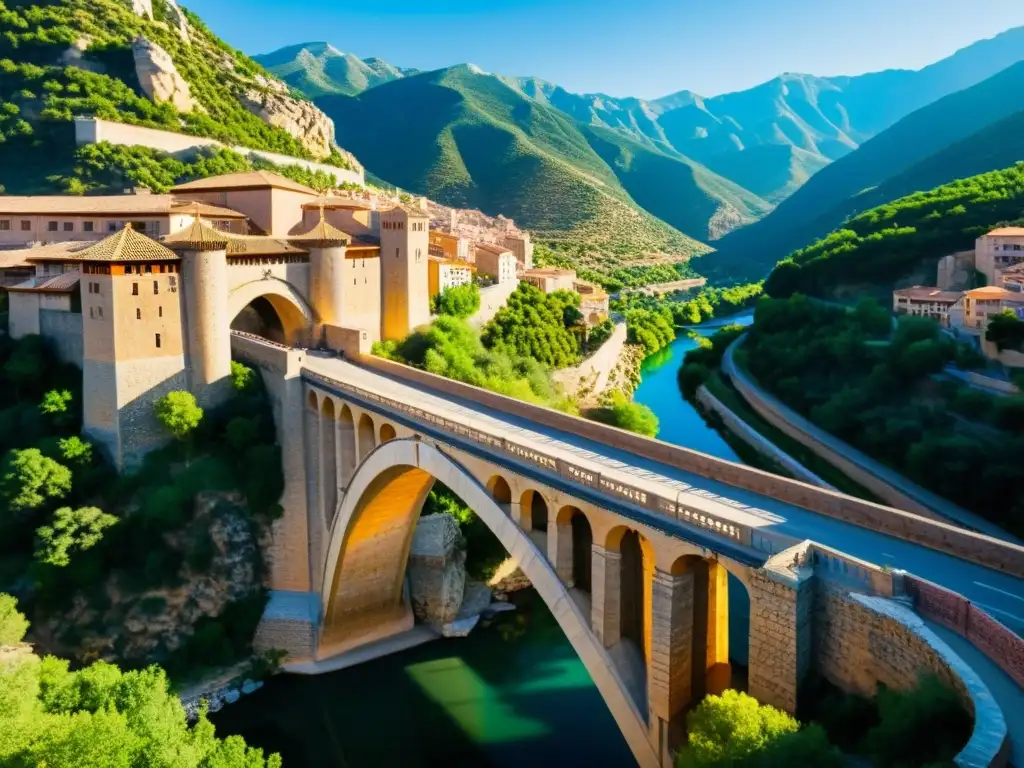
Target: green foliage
(734,730)
(13,624)
(71,531)
(28,479)
(243,378)
(458,301)
(652,329)
(534,325)
(828,364)
(1006,331)
(75,451)
(101,716)
(619,411)
(57,405)
(599,334)
(450,347)
(179,413)
(883,244)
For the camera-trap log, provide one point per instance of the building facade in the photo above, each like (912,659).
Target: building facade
(980,304)
(520,245)
(551,279)
(496,262)
(925,301)
(450,246)
(999,249)
(447,273)
(593,302)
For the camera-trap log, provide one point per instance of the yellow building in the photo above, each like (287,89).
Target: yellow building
(997,250)
(405,291)
(593,302)
(980,304)
(447,273)
(449,246)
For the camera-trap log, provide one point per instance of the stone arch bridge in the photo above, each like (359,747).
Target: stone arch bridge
(618,551)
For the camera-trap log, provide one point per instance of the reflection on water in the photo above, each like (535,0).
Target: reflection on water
(509,695)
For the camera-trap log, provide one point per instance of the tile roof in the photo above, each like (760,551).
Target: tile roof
(126,245)
(988,292)
(244,180)
(491,248)
(927,293)
(63,283)
(199,236)
(322,233)
(51,251)
(103,205)
(1006,232)
(410,210)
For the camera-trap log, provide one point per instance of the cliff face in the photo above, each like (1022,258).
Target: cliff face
(159,77)
(271,102)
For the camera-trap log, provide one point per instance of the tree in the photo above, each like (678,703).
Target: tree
(57,405)
(724,730)
(533,325)
(1006,331)
(619,411)
(27,365)
(29,478)
(71,531)
(179,413)
(458,300)
(13,624)
(75,451)
(243,378)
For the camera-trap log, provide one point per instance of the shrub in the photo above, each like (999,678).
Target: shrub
(619,411)
(458,301)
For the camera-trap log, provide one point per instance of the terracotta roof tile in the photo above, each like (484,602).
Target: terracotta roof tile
(491,248)
(126,245)
(927,293)
(244,180)
(331,202)
(63,283)
(199,236)
(1006,232)
(322,233)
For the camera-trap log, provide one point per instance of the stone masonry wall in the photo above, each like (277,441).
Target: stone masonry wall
(64,331)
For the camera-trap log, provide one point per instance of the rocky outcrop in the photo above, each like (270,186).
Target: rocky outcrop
(270,101)
(508,578)
(159,77)
(437,570)
(143,8)
(177,18)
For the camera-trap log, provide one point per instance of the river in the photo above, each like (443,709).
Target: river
(511,694)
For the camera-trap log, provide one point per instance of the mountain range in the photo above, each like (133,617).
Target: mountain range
(710,168)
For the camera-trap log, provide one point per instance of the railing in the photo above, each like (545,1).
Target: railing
(606,483)
(260,340)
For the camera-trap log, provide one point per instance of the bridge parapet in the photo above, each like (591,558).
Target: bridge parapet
(682,506)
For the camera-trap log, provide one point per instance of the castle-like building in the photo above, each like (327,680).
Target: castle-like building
(145,311)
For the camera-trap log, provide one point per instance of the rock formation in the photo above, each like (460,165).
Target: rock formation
(143,8)
(270,101)
(159,77)
(437,570)
(177,18)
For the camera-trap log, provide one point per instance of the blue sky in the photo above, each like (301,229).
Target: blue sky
(645,48)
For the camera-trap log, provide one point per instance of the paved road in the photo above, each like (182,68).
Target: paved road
(1000,594)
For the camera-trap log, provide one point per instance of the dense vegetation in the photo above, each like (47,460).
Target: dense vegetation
(40,92)
(840,369)
(74,533)
(458,301)
(99,715)
(885,243)
(105,168)
(481,143)
(969,132)
(543,327)
(612,271)
(925,726)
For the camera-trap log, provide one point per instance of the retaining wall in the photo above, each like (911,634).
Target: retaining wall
(756,440)
(964,544)
(64,331)
(90,130)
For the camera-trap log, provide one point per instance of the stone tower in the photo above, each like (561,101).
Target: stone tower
(132,339)
(405,294)
(326,245)
(204,277)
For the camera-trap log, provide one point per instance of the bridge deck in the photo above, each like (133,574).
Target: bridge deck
(1001,594)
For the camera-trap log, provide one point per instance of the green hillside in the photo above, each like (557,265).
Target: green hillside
(902,153)
(477,142)
(317,69)
(882,245)
(40,91)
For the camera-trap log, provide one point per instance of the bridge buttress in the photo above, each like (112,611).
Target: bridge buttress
(670,671)
(560,546)
(606,586)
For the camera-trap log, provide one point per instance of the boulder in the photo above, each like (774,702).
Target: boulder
(159,77)
(437,570)
(270,101)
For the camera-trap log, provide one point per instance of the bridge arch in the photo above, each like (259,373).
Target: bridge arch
(533,509)
(369,546)
(278,304)
(366,436)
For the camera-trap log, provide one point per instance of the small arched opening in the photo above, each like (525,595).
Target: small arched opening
(500,491)
(347,451)
(273,318)
(365,434)
(387,432)
(574,523)
(534,511)
(328,459)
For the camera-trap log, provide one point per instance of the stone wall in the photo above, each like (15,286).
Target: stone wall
(89,130)
(860,641)
(64,331)
(756,440)
(964,544)
(437,570)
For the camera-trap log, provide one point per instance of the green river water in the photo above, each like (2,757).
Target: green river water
(511,694)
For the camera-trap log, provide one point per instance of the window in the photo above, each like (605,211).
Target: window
(51,226)
(91,313)
(396,253)
(148,269)
(138,313)
(158,341)
(87,226)
(135,289)
(5,225)
(69,226)
(111,226)
(139,226)
(160,311)
(99,311)
(156,287)
(26,225)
